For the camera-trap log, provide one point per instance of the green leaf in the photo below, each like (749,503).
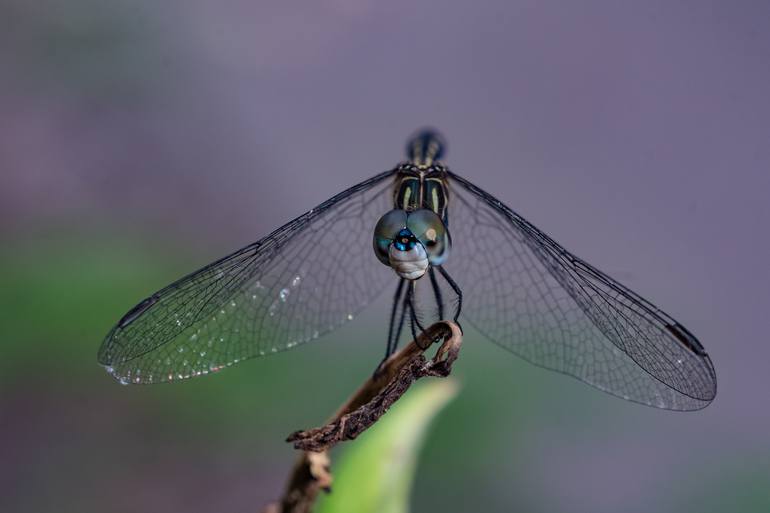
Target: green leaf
(375,473)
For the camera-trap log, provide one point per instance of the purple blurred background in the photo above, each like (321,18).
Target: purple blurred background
(635,133)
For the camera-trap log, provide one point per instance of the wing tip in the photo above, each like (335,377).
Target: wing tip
(123,380)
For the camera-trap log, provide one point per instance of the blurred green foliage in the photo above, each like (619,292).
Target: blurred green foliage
(61,294)
(73,436)
(376,471)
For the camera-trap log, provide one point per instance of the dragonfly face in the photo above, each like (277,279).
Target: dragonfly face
(410,242)
(520,289)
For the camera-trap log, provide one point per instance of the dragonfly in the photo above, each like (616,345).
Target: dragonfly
(453,251)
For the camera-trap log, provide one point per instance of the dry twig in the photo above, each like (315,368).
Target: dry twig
(311,472)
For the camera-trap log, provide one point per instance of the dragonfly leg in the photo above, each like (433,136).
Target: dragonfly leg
(394,331)
(437,292)
(457,290)
(414,322)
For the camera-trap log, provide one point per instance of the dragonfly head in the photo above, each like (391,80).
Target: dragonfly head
(409,242)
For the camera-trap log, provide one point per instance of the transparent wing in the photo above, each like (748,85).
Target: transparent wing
(526,293)
(299,282)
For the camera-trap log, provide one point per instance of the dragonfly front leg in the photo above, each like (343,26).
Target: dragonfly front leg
(437,292)
(457,290)
(394,331)
(414,320)
(407,305)
(396,322)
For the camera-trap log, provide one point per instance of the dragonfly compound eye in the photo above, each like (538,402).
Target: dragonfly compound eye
(430,230)
(386,231)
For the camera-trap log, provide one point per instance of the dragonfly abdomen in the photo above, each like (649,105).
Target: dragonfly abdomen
(425,147)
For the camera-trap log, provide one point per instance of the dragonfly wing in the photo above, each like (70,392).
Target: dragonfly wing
(528,294)
(299,282)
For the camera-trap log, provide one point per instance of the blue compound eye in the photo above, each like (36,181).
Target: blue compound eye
(386,231)
(429,229)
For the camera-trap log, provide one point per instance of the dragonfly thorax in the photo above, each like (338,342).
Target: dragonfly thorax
(421,187)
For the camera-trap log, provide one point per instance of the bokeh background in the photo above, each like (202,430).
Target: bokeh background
(142,139)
